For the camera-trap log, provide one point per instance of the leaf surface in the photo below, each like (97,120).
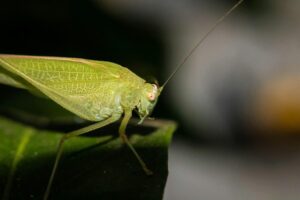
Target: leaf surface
(97,167)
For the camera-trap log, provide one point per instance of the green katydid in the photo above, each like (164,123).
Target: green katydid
(97,91)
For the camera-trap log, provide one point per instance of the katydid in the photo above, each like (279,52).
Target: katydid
(97,91)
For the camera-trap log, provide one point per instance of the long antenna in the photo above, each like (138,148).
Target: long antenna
(220,20)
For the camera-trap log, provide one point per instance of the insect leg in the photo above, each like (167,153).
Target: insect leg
(127,116)
(68,136)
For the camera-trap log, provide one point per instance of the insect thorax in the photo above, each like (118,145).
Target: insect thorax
(116,96)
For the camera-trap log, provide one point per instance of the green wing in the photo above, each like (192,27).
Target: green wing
(84,87)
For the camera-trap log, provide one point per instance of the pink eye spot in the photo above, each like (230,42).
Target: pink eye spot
(151,96)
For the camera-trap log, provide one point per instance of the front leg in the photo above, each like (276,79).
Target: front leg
(122,129)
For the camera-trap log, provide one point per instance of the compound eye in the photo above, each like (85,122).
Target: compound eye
(152,94)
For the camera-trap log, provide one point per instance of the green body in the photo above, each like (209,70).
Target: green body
(93,90)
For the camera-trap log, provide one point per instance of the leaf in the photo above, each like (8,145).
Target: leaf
(95,167)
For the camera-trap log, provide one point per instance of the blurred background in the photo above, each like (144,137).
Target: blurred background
(236,101)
